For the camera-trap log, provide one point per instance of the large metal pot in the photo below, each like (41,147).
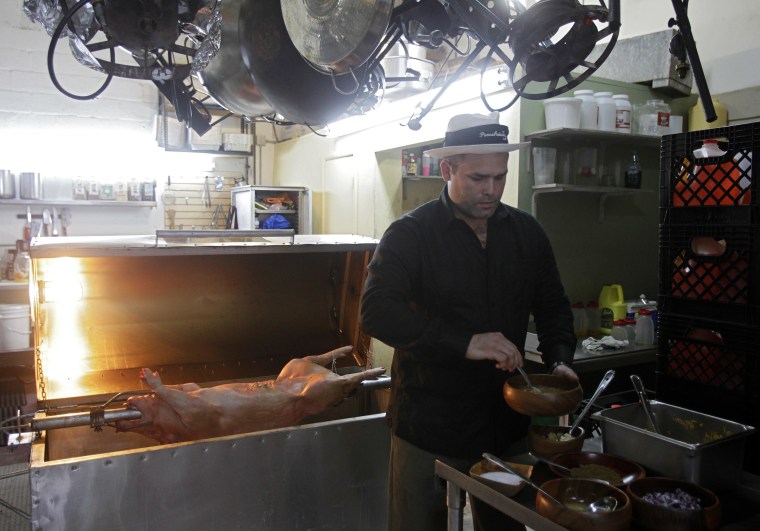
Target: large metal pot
(226,77)
(297,90)
(336,34)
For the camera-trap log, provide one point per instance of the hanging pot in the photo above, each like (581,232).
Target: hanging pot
(226,77)
(295,88)
(338,35)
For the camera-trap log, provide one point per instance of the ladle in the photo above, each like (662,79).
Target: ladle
(551,463)
(639,387)
(608,376)
(527,380)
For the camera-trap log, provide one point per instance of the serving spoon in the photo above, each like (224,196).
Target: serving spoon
(527,380)
(498,462)
(606,379)
(551,463)
(603,504)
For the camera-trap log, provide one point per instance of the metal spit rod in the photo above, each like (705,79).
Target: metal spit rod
(96,418)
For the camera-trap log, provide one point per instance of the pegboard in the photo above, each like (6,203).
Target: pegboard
(188,207)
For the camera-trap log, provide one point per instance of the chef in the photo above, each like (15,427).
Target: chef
(187,412)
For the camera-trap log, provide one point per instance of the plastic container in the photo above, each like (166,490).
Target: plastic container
(544,164)
(580,320)
(654,118)
(610,301)
(592,316)
(698,121)
(644,328)
(562,112)
(630,329)
(605,120)
(15,328)
(589,108)
(619,331)
(623,112)
(718,183)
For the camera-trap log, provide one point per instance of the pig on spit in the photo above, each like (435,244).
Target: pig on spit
(188,412)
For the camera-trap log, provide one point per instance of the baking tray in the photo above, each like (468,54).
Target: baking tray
(690,445)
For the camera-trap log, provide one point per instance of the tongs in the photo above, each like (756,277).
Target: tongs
(639,387)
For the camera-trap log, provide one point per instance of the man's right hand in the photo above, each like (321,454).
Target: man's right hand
(494,346)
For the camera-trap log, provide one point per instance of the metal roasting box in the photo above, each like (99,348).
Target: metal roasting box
(236,307)
(691,446)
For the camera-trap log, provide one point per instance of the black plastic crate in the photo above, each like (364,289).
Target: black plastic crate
(715,356)
(710,271)
(715,189)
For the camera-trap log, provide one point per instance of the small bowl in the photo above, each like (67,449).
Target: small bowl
(542,446)
(628,470)
(563,395)
(583,491)
(651,516)
(507,489)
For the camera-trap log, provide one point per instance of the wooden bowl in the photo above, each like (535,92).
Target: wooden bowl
(542,446)
(627,470)
(583,491)
(510,488)
(655,517)
(562,396)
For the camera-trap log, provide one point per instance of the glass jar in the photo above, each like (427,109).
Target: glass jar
(654,118)
(622,113)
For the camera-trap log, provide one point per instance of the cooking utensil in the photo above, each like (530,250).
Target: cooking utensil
(168,197)
(498,462)
(527,380)
(603,505)
(639,387)
(219,183)
(336,35)
(215,215)
(289,83)
(30,185)
(606,379)
(206,196)
(65,221)
(551,463)
(46,220)
(55,222)
(7,185)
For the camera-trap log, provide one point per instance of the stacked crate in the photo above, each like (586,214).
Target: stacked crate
(708,337)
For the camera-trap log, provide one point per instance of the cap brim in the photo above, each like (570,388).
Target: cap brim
(476,149)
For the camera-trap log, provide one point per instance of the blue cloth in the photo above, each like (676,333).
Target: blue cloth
(275,222)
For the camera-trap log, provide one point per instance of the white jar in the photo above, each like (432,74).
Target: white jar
(589,108)
(654,118)
(622,113)
(605,120)
(644,328)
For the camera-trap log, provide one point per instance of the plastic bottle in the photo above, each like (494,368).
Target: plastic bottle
(411,164)
(592,317)
(644,328)
(589,108)
(654,118)
(630,328)
(619,331)
(610,296)
(712,184)
(580,321)
(622,113)
(698,121)
(607,111)
(633,173)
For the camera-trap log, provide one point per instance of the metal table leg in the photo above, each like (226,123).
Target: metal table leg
(454,503)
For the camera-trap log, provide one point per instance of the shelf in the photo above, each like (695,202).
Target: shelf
(76,202)
(574,136)
(10,285)
(219,152)
(260,211)
(422,177)
(603,191)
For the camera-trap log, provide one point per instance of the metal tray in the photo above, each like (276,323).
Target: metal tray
(690,445)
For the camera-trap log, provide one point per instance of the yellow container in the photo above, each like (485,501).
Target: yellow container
(697,120)
(611,306)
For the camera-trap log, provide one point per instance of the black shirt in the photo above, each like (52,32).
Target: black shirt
(431,287)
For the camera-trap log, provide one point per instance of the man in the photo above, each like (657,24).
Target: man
(451,286)
(188,412)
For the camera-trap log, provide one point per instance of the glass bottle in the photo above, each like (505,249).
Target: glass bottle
(633,173)
(411,163)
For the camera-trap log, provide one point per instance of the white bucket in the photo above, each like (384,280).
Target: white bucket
(563,112)
(15,327)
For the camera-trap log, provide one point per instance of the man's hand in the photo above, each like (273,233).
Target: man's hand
(565,372)
(494,346)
